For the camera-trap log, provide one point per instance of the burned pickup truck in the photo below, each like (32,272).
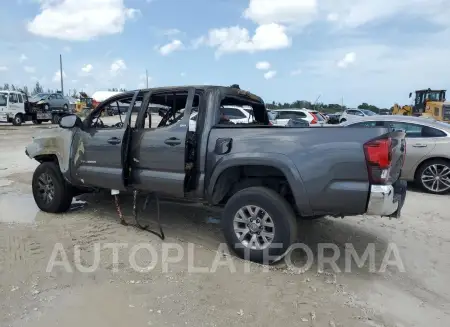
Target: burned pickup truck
(264,177)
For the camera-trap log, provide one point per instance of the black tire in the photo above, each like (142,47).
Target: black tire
(342,121)
(282,216)
(63,194)
(37,122)
(17,120)
(55,119)
(423,168)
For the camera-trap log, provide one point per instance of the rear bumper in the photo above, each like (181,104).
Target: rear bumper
(387,200)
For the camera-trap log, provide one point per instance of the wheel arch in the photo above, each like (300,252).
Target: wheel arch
(227,173)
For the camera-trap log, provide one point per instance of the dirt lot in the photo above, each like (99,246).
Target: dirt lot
(175,295)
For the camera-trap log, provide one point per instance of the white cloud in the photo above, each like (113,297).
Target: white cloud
(296,72)
(117,67)
(3,68)
(87,68)
(29,69)
(263,65)
(354,13)
(237,39)
(270,74)
(348,59)
(175,45)
(23,57)
(80,20)
(332,17)
(171,32)
(281,11)
(57,76)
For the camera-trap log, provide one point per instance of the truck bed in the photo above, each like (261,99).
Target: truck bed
(327,165)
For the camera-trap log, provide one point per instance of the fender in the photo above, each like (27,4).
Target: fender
(57,142)
(276,160)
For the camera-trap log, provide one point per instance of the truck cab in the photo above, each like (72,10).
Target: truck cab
(12,107)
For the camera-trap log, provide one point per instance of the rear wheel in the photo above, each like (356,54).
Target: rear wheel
(259,224)
(434,176)
(37,122)
(50,191)
(56,119)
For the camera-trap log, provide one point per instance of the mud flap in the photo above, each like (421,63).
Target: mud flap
(400,187)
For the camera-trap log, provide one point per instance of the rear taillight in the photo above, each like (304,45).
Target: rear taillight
(379,158)
(314,121)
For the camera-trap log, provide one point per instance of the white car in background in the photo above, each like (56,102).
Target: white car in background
(314,118)
(236,114)
(352,114)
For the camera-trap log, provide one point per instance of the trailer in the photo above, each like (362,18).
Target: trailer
(16,108)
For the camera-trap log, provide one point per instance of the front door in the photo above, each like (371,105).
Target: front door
(99,151)
(157,154)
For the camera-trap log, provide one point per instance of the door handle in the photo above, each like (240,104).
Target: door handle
(172,141)
(419,145)
(114,140)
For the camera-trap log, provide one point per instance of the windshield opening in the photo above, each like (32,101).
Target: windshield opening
(369,113)
(3,99)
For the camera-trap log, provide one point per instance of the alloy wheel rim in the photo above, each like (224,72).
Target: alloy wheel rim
(254,227)
(436,178)
(46,188)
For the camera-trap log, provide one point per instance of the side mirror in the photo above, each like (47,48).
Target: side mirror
(70,121)
(410,94)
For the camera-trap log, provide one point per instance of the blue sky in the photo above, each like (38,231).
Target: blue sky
(374,51)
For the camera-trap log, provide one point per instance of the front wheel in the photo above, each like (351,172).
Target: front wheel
(50,191)
(259,224)
(17,120)
(342,121)
(434,176)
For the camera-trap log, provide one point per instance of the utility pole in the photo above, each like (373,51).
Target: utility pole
(146,77)
(61,73)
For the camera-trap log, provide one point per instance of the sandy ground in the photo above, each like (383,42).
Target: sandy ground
(176,295)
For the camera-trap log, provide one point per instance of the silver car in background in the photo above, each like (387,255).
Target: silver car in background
(427,148)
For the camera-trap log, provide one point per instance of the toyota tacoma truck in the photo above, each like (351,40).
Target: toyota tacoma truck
(263,177)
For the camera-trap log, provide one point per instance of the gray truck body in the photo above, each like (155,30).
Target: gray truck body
(324,169)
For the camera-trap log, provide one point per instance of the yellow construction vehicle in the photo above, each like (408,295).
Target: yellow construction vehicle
(428,102)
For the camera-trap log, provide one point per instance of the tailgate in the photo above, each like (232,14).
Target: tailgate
(398,152)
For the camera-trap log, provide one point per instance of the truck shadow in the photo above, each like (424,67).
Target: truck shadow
(324,238)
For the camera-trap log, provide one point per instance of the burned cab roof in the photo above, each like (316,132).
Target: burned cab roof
(233,90)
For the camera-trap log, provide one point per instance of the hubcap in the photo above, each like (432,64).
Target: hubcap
(436,178)
(46,188)
(254,227)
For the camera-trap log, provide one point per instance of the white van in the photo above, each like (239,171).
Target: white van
(14,109)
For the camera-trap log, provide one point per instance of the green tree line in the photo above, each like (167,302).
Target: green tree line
(38,88)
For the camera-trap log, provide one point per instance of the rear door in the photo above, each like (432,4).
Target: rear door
(418,146)
(100,151)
